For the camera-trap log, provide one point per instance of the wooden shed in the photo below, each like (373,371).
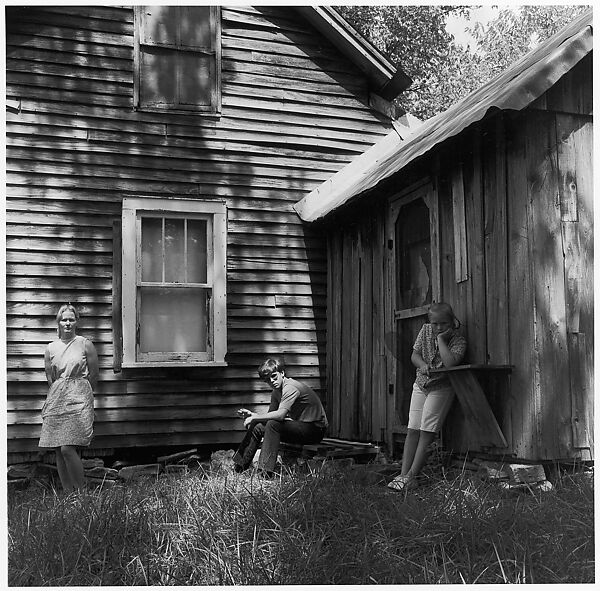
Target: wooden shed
(154,155)
(487,206)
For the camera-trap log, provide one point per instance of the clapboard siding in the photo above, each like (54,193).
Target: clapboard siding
(294,112)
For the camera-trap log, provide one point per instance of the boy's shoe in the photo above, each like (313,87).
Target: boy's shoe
(403,483)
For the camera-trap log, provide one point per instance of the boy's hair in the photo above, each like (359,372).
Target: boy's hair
(446,310)
(269,366)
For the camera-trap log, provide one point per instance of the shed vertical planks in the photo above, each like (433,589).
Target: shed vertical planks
(574,134)
(496,243)
(553,389)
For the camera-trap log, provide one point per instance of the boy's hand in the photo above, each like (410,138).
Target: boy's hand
(244,412)
(248,420)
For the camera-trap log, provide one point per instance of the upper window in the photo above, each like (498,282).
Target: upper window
(173,254)
(178,58)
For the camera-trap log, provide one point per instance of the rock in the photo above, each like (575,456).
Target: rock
(89,463)
(18,483)
(464,465)
(131,472)
(222,459)
(118,464)
(21,471)
(103,482)
(544,486)
(176,469)
(492,470)
(100,472)
(176,456)
(525,473)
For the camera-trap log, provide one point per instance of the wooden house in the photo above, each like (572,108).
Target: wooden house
(487,206)
(154,155)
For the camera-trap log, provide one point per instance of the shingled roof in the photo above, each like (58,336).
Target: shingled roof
(515,88)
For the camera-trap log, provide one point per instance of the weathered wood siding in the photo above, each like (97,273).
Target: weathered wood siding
(523,287)
(294,112)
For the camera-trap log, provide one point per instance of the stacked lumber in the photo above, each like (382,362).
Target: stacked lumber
(330,448)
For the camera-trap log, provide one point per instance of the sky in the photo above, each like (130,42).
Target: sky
(456,25)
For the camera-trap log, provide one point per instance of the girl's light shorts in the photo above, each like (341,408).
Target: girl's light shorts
(429,409)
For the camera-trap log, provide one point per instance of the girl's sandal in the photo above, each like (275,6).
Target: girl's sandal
(403,483)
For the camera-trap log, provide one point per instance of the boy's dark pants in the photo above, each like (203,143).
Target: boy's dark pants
(273,432)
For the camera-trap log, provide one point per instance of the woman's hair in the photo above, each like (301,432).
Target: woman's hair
(61,311)
(269,366)
(446,310)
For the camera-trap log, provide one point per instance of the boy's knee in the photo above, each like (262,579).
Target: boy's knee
(273,425)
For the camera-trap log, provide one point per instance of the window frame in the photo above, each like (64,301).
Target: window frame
(133,211)
(214,109)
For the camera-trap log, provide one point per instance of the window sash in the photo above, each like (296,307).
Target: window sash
(214,214)
(193,66)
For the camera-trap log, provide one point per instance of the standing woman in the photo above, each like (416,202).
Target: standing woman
(68,414)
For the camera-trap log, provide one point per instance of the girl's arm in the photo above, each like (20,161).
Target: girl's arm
(448,358)
(48,366)
(417,360)
(92,363)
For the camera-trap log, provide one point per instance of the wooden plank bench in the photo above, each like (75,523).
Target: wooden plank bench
(332,448)
(473,401)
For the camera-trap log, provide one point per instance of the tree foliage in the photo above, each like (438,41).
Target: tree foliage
(443,72)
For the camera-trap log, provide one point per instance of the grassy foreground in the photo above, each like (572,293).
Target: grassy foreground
(325,528)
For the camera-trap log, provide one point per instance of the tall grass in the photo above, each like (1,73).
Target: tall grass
(324,528)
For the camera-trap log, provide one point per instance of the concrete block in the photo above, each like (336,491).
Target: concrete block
(525,473)
(132,472)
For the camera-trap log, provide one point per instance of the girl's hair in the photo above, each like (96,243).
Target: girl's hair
(269,366)
(446,310)
(61,311)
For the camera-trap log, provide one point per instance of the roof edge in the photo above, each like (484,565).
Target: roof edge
(389,80)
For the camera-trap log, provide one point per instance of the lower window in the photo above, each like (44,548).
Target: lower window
(174,280)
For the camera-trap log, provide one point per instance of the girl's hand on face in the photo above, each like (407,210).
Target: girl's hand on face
(445,336)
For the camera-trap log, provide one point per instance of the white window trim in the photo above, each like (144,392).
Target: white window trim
(132,208)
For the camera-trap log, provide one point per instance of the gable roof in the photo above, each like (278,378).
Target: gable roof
(388,80)
(515,88)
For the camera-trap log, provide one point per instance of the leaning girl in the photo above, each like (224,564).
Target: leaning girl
(438,345)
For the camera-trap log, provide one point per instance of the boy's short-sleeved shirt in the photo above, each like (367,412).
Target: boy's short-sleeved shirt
(426,345)
(301,402)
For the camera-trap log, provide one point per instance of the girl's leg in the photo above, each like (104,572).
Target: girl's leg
(73,464)
(420,457)
(63,473)
(410,447)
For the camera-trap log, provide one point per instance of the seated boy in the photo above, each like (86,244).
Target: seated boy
(295,415)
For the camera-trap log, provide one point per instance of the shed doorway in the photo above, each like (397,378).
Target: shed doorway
(412,237)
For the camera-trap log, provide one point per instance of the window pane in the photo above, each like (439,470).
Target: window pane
(159,24)
(174,251)
(196,258)
(195,78)
(173,320)
(195,26)
(151,249)
(414,255)
(158,76)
